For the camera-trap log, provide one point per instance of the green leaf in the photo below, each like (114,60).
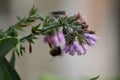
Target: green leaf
(11,71)
(18,18)
(6,45)
(95,78)
(64,30)
(21,21)
(1,73)
(2,34)
(41,18)
(80,38)
(19,28)
(29,38)
(35,29)
(12,33)
(13,59)
(46,22)
(6,75)
(17,48)
(33,11)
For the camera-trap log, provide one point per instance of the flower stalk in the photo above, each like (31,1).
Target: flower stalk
(57,28)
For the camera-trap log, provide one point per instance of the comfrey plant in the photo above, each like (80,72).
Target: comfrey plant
(57,28)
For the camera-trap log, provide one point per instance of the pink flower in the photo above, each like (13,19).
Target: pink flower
(84,46)
(54,39)
(91,36)
(75,48)
(60,36)
(90,39)
(51,39)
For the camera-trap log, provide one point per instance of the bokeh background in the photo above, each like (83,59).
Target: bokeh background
(103,59)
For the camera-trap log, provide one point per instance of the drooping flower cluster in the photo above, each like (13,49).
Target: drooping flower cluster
(76,47)
(74,33)
(57,28)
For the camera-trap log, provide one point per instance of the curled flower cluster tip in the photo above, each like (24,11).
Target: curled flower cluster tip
(72,31)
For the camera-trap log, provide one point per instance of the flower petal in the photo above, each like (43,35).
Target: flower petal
(84,46)
(60,36)
(90,42)
(54,40)
(80,50)
(91,36)
(66,48)
(72,50)
(76,44)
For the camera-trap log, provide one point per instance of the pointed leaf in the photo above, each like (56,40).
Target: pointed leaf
(95,78)
(13,59)
(6,75)
(33,11)
(11,71)
(18,18)
(6,45)
(1,73)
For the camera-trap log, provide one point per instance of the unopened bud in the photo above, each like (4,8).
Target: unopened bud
(84,26)
(23,25)
(30,47)
(58,12)
(36,32)
(77,16)
(92,32)
(31,20)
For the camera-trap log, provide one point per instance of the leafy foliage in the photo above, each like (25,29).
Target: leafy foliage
(10,40)
(13,75)
(6,45)
(12,60)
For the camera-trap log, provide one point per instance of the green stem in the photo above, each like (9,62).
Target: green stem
(52,27)
(25,37)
